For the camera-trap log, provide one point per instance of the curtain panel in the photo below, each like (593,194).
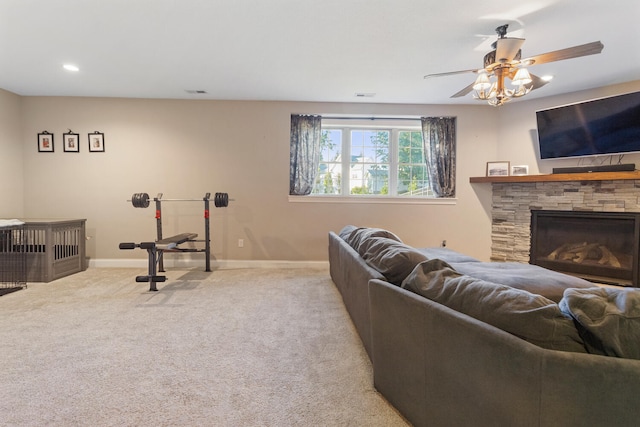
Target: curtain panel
(439,137)
(306,135)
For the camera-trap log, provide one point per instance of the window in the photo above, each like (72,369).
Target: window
(372,161)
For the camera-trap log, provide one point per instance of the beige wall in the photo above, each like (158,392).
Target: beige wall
(11,164)
(187,148)
(517,138)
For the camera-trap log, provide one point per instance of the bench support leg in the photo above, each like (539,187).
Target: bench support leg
(152,251)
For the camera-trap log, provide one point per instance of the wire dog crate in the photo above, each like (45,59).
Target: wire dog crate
(13,257)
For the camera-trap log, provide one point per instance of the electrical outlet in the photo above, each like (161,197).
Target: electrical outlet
(241,243)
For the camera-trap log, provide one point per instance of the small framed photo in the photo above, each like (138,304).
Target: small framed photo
(71,142)
(520,170)
(96,142)
(45,142)
(497,168)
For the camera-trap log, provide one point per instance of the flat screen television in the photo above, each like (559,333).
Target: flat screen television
(606,126)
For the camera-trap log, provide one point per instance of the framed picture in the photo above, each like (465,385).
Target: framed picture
(520,170)
(96,142)
(45,142)
(497,168)
(71,142)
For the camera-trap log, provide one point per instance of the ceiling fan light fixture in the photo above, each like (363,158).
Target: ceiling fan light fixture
(505,62)
(487,93)
(521,78)
(482,82)
(521,91)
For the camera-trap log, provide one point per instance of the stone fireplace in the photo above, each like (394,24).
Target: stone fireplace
(514,199)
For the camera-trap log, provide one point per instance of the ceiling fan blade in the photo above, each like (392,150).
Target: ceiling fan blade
(467,90)
(568,53)
(507,48)
(537,82)
(449,73)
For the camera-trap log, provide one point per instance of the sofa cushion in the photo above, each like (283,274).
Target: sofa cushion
(393,259)
(528,277)
(608,319)
(447,255)
(354,236)
(531,317)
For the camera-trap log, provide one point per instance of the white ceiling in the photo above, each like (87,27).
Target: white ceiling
(301,50)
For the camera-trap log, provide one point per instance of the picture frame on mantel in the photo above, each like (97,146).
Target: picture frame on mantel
(498,168)
(520,170)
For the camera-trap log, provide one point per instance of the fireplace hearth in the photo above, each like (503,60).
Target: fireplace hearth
(598,246)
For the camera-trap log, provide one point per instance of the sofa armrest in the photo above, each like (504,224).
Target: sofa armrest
(441,367)
(351,276)
(588,389)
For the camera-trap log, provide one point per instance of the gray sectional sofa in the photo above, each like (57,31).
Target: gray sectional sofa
(450,347)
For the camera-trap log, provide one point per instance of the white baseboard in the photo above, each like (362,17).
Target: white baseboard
(215,264)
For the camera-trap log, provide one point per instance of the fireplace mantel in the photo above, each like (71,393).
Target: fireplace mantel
(560,177)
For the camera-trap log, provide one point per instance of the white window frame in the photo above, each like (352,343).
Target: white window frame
(394,128)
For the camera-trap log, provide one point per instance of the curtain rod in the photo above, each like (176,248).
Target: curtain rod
(369,118)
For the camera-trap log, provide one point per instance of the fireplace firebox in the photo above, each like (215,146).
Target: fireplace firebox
(601,247)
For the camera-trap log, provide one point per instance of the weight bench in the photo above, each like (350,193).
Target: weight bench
(155,251)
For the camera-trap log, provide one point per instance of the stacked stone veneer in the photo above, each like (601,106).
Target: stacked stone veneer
(512,204)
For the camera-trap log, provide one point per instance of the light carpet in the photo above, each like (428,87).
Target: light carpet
(251,347)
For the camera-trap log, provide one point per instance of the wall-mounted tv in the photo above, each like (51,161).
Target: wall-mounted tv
(606,126)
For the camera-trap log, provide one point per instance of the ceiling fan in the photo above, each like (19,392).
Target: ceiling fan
(505,62)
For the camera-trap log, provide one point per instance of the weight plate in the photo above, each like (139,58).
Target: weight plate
(221,200)
(140,200)
(144,200)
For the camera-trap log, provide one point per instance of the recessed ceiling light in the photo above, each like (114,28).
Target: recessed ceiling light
(547,78)
(70,67)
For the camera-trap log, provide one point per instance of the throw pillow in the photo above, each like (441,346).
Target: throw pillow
(346,232)
(393,259)
(355,236)
(608,319)
(531,317)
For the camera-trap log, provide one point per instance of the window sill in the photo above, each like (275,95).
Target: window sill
(373,200)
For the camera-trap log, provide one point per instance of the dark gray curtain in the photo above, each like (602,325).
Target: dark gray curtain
(439,136)
(306,134)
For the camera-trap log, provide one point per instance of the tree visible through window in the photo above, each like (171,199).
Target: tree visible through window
(329,177)
(412,169)
(369,163)
(372,162)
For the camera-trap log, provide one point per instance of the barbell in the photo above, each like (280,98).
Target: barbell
(142,200)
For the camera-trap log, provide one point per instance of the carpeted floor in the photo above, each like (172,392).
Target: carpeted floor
(252,347)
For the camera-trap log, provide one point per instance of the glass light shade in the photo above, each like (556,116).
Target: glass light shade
(482,82)
(522,77)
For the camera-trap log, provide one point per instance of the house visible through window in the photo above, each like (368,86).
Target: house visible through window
(372,161)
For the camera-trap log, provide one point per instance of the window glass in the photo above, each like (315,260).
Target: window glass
(372,161)
(329,176)
(412,170)
(369,165)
